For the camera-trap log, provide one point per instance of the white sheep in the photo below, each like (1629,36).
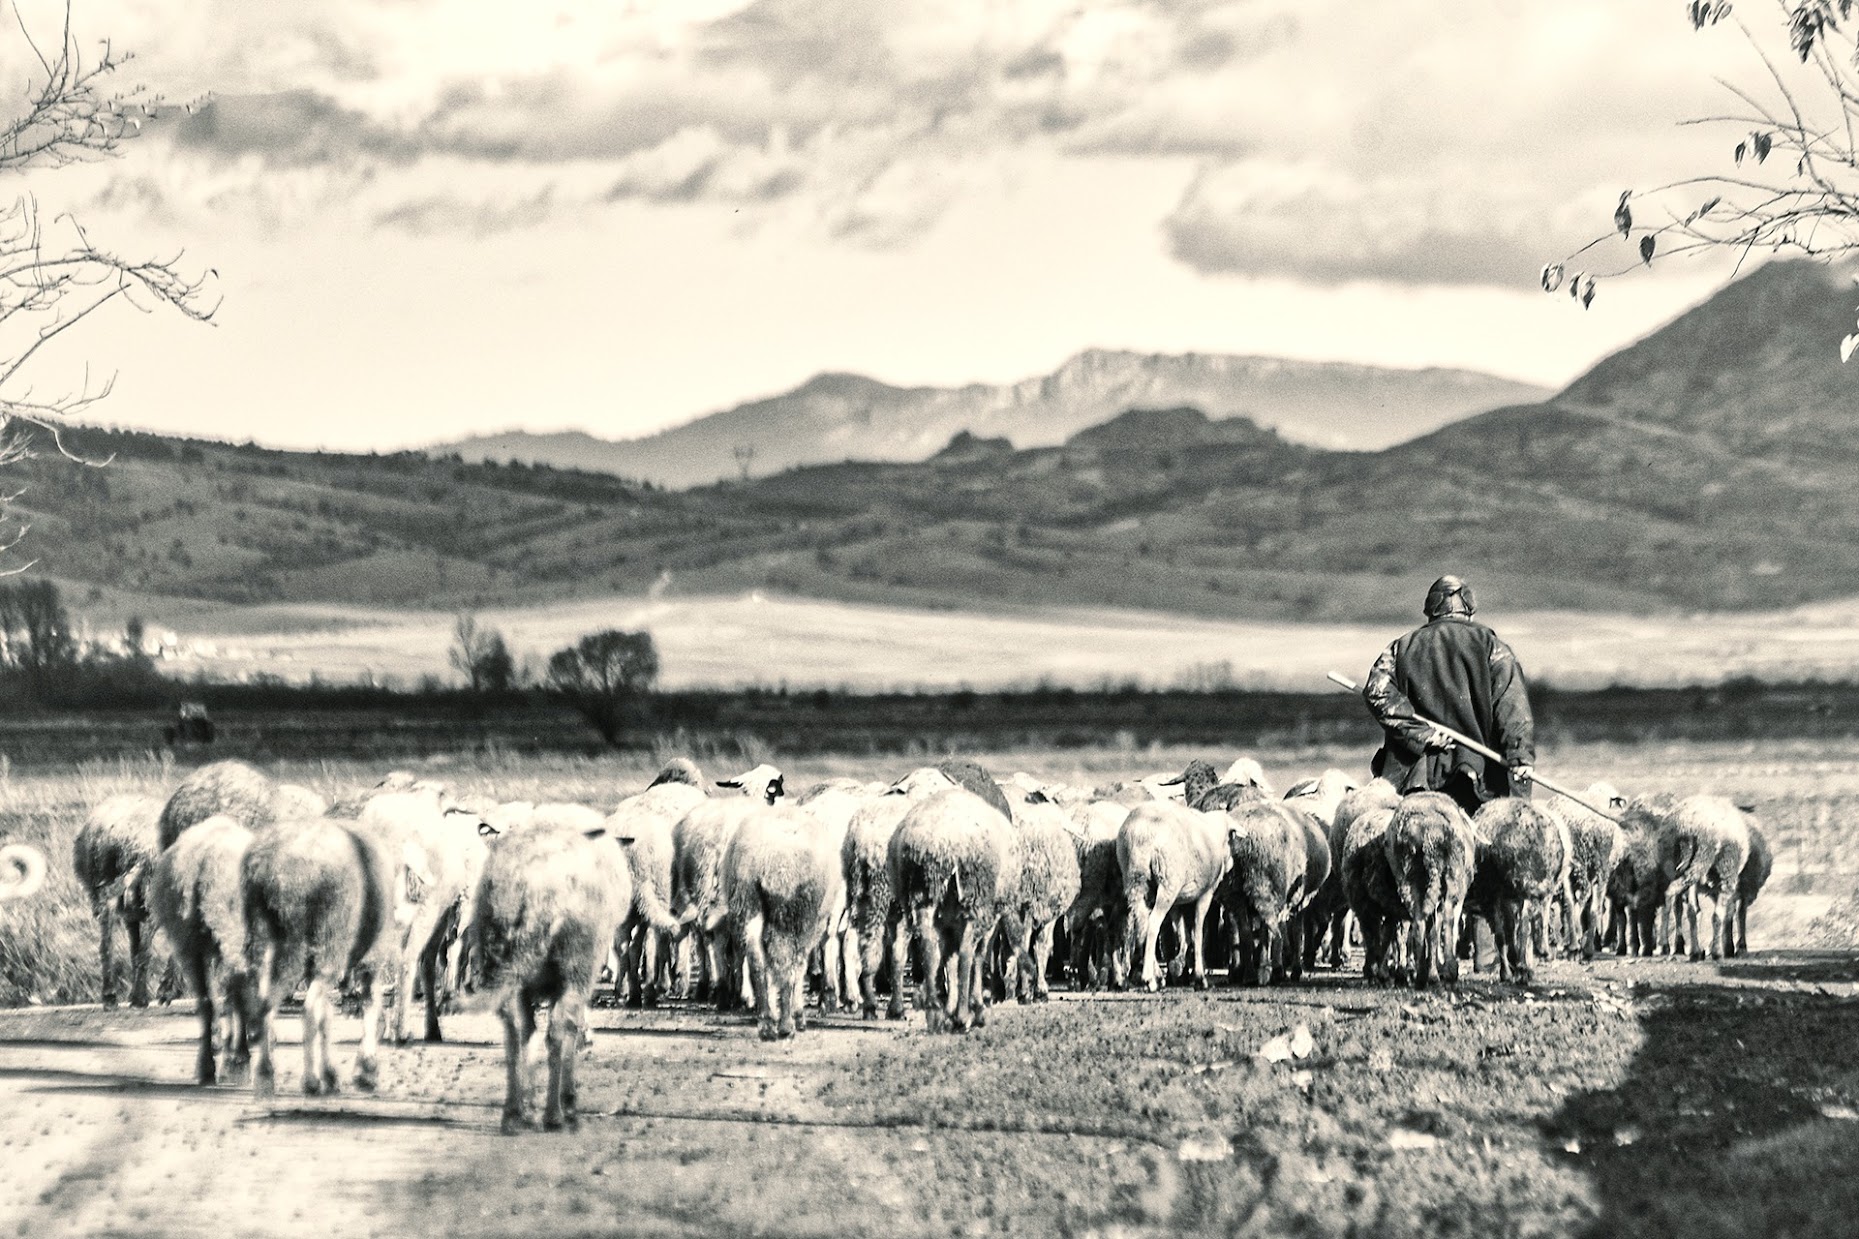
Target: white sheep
(952,862)
(1703,852)
(1430,854)
(1046,845)
(1170,855)
(649,929)
(1264,888)
(548,905)
(1521,857)
(110,854)
(781,881)
(195,895)
(317,902)
(1095,922)
(864,859)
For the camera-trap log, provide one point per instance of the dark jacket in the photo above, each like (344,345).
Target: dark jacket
(1451,670)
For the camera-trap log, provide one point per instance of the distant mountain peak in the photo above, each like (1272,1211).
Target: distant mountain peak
(836,416)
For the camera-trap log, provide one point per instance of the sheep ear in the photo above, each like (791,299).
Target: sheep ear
(623,840)
(1747,808)
(1616,802)
(1297,789)
(1176,781)
(1038,797)
(729,782)
(486,830)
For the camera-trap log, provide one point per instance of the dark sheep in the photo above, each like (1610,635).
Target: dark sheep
(111,855)
(195,894)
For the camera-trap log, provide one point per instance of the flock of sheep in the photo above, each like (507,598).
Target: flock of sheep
(262,889)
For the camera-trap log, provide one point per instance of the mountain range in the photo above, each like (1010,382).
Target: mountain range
(839,417)
(1707,467)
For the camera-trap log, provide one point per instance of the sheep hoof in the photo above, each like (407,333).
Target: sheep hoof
(434,1036)
(981,1017)
(651,998)
(365,1077)
(895,1013)
(568,1120)
(1203,982)
(108,1002)
(768,1031)
(312,1086)
(870,1011)
(786,1029)
(635,1001)
(515,1123)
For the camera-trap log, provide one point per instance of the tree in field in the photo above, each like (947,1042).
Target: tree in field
(53,276)
(482,656)
(601,673)
(1789,182)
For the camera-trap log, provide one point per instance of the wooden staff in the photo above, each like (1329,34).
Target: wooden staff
(1484,751)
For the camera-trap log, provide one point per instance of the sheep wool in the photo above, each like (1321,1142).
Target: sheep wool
(110,855)
(1430,852)
(781,880)
(196,897)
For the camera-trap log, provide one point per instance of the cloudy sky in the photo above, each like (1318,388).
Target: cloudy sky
(431,218)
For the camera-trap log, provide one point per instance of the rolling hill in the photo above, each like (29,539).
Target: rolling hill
(839,417)
(1707,467)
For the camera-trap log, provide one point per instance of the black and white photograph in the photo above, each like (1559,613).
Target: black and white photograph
(811,618)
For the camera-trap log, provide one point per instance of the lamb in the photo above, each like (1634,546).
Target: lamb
(1049,883)
(649,820)
(195,895)
(22,871)
(864,860)
(110,855)
(239,791)
(1170,854)
(1430,855)
(953,868)
(548,904)
(317,903)
(1266,841)
(1754,877)
(782,882)
(1331,903)
(1595,846)
(1521,855)
(1704,851)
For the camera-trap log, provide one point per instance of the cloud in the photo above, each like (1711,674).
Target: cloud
(1410,141)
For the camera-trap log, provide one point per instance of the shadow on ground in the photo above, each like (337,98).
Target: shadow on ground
(1738,1116)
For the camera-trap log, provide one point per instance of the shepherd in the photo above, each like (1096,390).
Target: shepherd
(1454,671)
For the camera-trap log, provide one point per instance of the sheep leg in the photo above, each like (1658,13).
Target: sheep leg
(749,942)
(1042,956)
(872,944)
(830,966)
(1421,932)
(106,924)
(929,964)
(136,926)
(563,1039)
(897,942)
(848,962)
(519,1021)
(1742,925)
(1695,943)
(629,964)
(1294,946)
(1136,936)
(1151,929)
(318,1075)
(966,1000)
(368,1053)
(783,984)
(429,981)
(264,1073)
(1197,931)
(199,976)
(235,1049)
(1374,966)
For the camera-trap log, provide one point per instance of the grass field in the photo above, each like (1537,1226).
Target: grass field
(759,638)
(1628,1097)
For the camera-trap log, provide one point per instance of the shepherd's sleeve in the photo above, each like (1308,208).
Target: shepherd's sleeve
(1390,705)
(1510,698)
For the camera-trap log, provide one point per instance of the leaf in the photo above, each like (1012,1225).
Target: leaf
(1847,346)
(1587,293)
(1552,277)
(1740,148)
(1646,247)
(1763,143)
(1623,216)
(1575,287)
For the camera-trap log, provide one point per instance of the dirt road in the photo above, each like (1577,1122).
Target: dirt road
(1644,1098)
